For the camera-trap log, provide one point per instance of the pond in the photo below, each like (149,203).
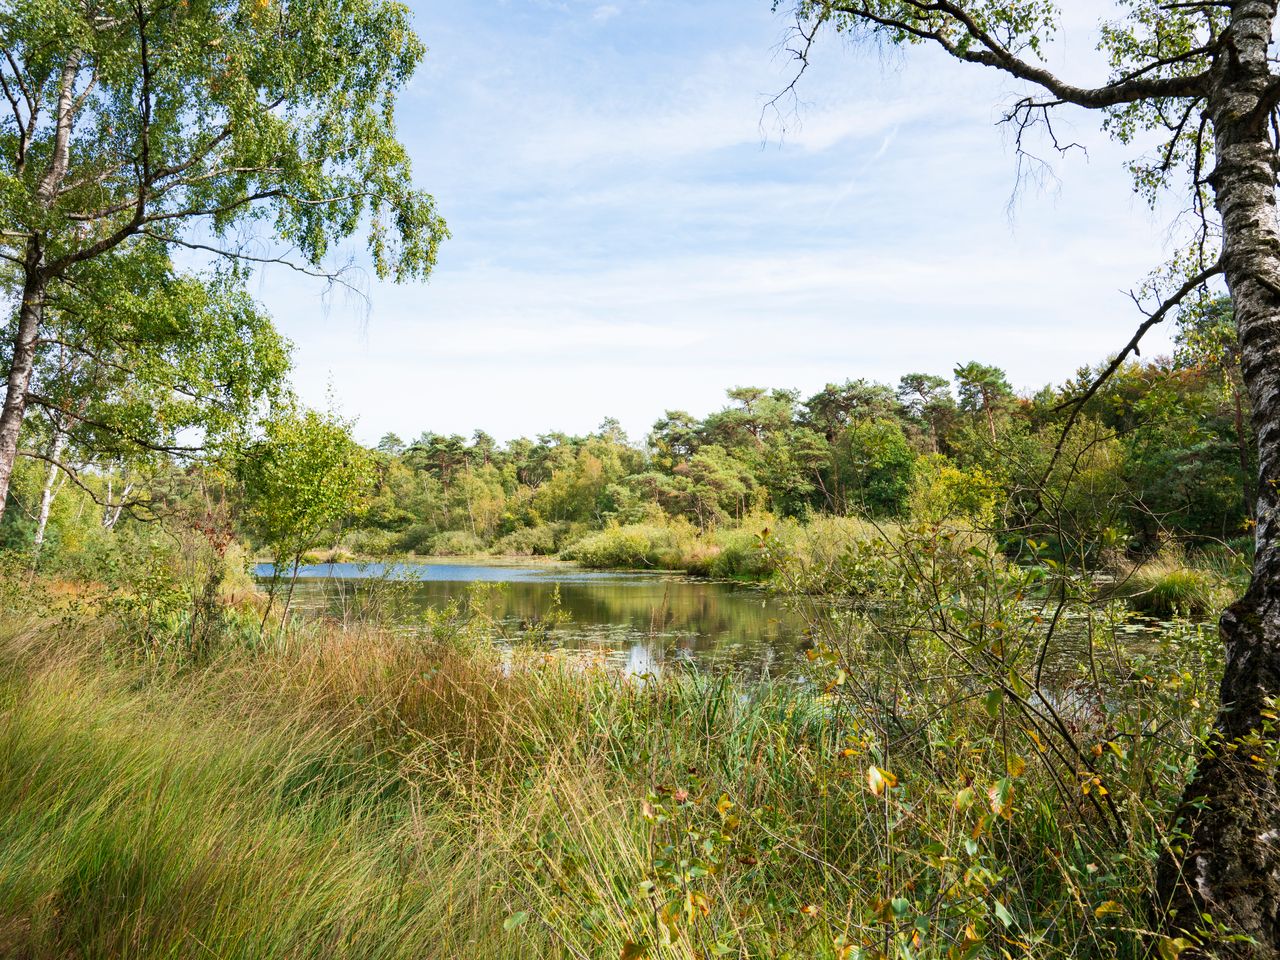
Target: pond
(644,622)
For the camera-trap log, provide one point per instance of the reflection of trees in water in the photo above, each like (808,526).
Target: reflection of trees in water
(648,621)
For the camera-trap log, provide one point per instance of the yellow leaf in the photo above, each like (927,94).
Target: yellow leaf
(1107,908)
(669,916)
(696,903)
(1016,766)
(878,780)
(724,804)
(1172,948)
(1000,795)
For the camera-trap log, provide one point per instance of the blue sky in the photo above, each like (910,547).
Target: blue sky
(634,231)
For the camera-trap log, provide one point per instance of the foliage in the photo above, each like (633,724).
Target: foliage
(942,492)
(415,792)
(633,546)
(303,477)
(1167,585)
(234,114)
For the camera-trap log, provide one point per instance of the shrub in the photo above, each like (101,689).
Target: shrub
(416,539)
(941,491)
(540,541)
(633,545)
(370,542)
(456,543)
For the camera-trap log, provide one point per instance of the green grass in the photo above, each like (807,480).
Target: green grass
(1168,585)
(752,550)
(380,793)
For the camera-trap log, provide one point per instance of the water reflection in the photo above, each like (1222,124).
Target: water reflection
(643,622)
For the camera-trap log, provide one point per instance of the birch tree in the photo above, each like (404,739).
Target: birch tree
(139,364)
(1199,76)
(259,130)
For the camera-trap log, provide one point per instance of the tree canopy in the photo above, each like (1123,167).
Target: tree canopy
(258,132)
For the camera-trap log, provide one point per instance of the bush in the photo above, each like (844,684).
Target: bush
(416,539)
(370,542)
(540,541)
(634,546)
(456,543)
(941,491)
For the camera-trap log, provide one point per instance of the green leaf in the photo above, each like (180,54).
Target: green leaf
(515,920)
(992,702)
(1002,913)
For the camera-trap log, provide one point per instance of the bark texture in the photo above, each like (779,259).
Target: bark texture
(25,340)
(35,285)
(1227,865)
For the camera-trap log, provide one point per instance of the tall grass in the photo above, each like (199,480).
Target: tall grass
(1172,585)
(378,792)
(749,550)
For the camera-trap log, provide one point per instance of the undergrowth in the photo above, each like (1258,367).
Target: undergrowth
(317,789)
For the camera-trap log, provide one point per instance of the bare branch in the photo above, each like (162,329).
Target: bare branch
(333,277)
(1076,404)
(990,52)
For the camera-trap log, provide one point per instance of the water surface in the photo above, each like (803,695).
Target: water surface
(643,621)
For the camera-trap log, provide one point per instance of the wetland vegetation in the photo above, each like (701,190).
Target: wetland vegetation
(926,670)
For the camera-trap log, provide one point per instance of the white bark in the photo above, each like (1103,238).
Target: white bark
(35,281)
(51,486)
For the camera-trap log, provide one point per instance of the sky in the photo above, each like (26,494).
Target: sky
(634,229)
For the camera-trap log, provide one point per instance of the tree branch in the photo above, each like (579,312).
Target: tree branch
(1077,403)
(73,474)
(990,52)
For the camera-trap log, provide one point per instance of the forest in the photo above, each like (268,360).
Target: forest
(942,668)
(1154,472)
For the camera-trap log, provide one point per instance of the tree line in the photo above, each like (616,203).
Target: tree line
(1163,452)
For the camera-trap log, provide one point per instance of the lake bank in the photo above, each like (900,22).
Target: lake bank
(323,788)
(640,620)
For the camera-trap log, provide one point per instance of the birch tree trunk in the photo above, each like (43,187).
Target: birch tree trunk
(50,489)
(21,367)
(113,509)
(34,286)
(1230,859)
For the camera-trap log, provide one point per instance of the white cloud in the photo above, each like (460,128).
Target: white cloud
(623,244)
